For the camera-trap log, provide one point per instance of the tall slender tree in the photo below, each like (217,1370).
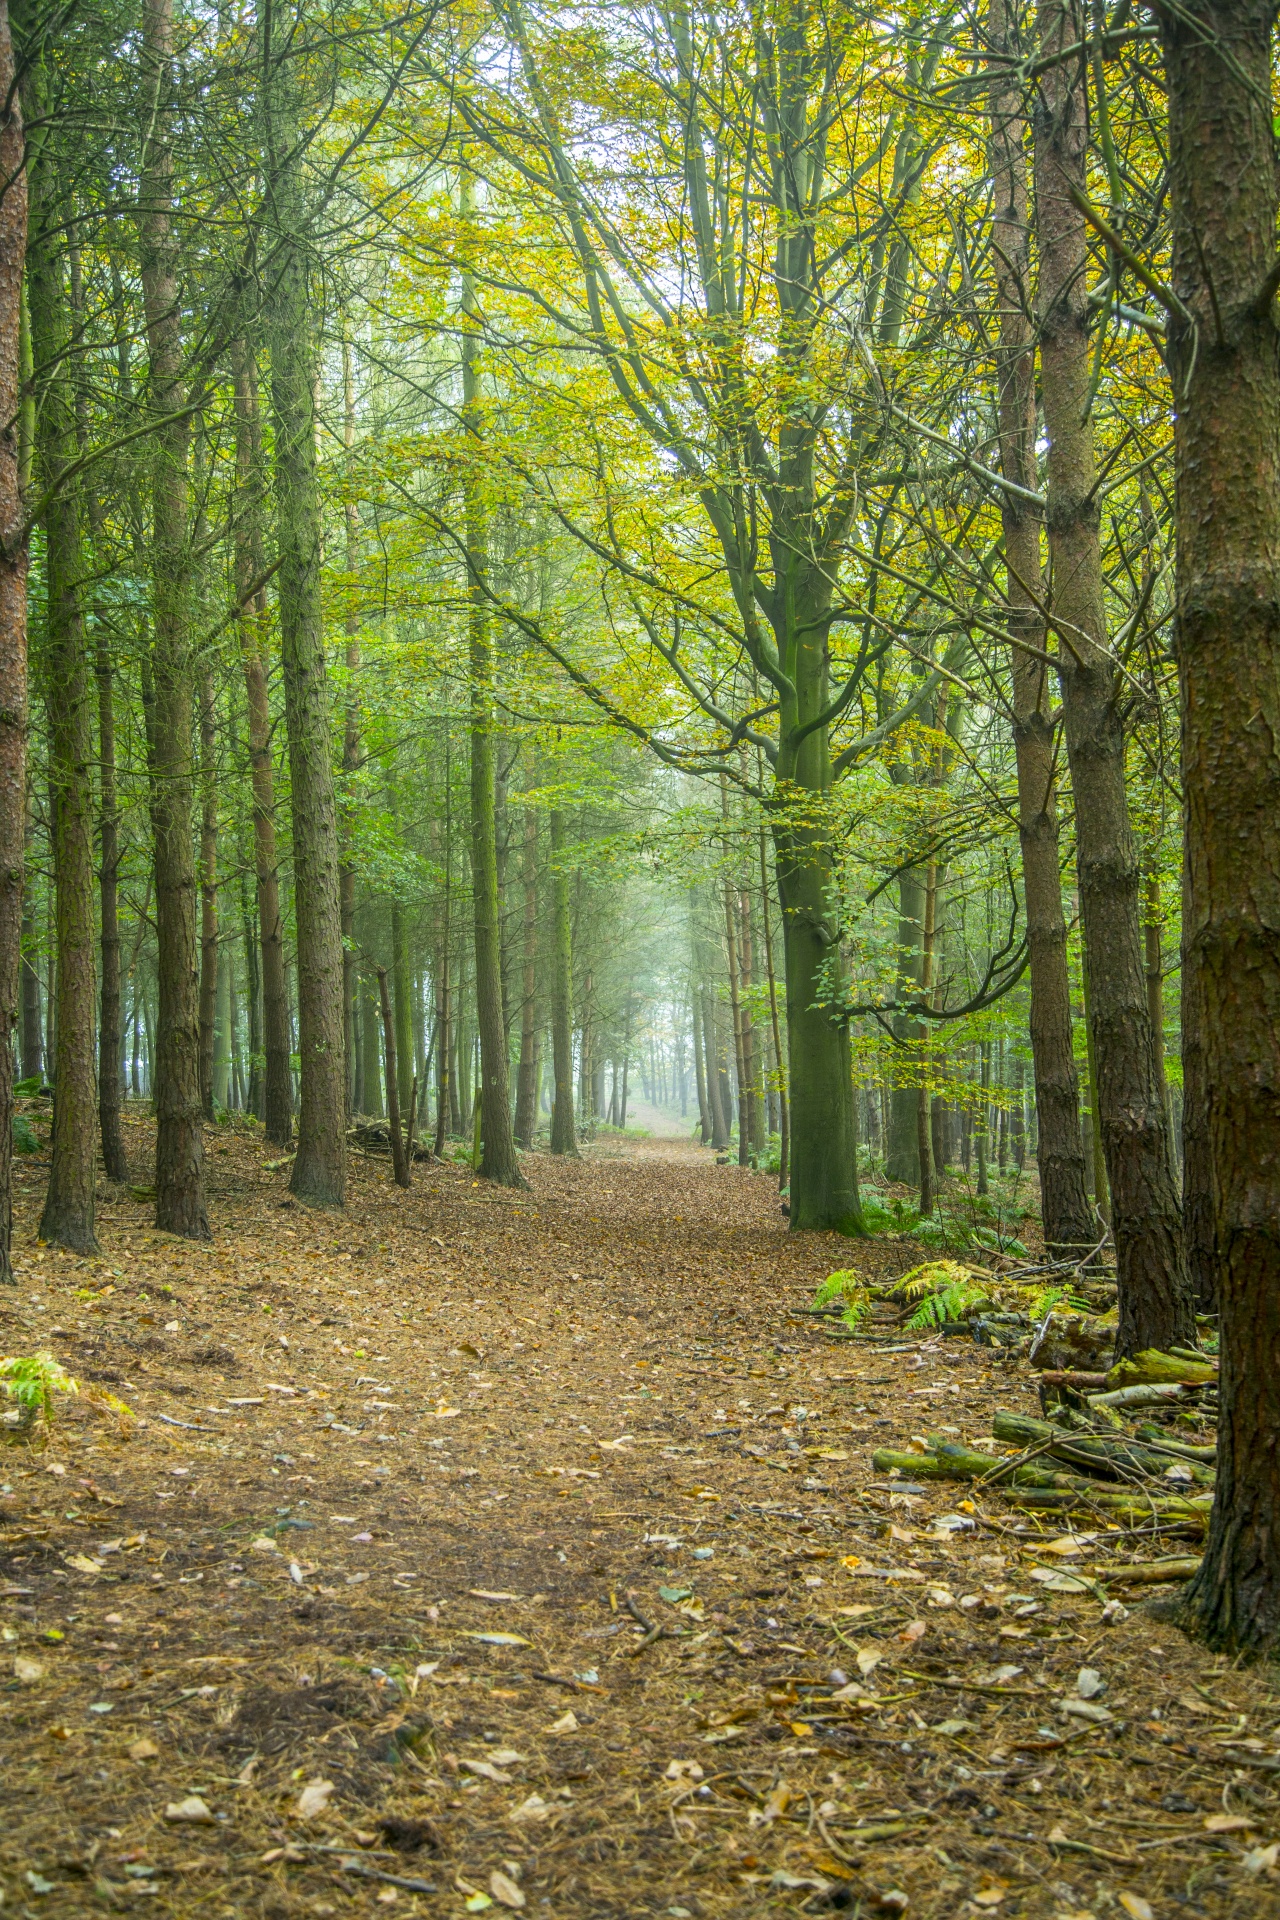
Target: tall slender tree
(13,611)
(320,1168)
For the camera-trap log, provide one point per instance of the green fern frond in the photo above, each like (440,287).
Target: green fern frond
(32,1379)
(949,1303)
(835,1284)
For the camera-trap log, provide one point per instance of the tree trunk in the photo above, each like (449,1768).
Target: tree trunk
(924,1093)
(13,621)
(564,1138)
(253,1002)
(110,1035)
(526,1112)
(254,640)
(699,1062)
(180,1199)
(1064,1202)
(499,1160)
(208,888)
(403,997)
(784,1104)
(68,1216)
(319,1175)
(1224,349)
(399,1159)
(351,748)
(1155,1297)
(902,1155)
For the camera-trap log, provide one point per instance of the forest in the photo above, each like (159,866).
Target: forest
(577,576)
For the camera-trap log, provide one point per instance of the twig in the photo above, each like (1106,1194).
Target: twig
(392,1879)
(190,1425)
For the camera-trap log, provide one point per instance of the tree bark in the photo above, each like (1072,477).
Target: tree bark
(351,748)
(319,1175)
(902,1155)
(1064,1202)
(1224,352)
(399,1159)
(110,1036)
(402,981)
(208,889)
(1155,1297)
(180,1198)
(499,1160)
(68,1216)
(254,636)
(13,619)
(784,1103)
(564,1136)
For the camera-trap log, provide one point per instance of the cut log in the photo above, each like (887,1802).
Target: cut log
(1151,1367)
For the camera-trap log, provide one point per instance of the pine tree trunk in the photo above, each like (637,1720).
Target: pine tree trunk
(110,1036)
(1155,1297)
(351,747)
(277,1094)
(180,1198)
(399,1159)
(699,1062)
(13,622)
(68,1216)
(564,1138)
(208,889)
(1064,1203)
(320,1167)
(499,1160)
(1224,352)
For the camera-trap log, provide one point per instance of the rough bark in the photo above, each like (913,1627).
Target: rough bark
(320,1167)
(254,636)
(1224,348)
(564,1136)
(351,747)
(1155,1297)
(110,1033)
(208,889)
(1064,1202)
(13,618)
(180,1200)
(402,982)
(68,1216)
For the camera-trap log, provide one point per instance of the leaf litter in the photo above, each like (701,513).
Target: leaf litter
(597,1412)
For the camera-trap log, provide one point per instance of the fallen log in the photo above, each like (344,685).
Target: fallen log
(1152,1368)
(1150,1573)
(1117,1459)
(1065,1377)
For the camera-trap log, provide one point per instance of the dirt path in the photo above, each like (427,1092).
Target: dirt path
(431,1447)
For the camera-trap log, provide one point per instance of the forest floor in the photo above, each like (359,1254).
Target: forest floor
(352,1632)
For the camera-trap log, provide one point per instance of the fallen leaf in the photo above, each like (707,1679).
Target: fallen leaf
(1135,1906)
(1090,1683)
(914,1630)
(1084,1710)
(868,1659)
(263,1544)
(27,1671)
(487,1771)
(1055,1582)
(683,1770)
(990,1894)
(774,1807)
(1261,1859)
(82,1563)
(534,1810)
(314,1799)
(952,1726)
(1228,1823)
(478,1902)
(567,1723)
(190,1812)
(505,1891)
(144,1749)
(483,1593)
(499,1639)
(37,1882)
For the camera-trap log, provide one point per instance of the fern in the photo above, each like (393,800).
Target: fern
(32,1380)
(834,1285)
(950,1303)
(1043,1300)
(850,1287)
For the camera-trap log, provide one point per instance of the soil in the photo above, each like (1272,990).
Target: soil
(374,1580)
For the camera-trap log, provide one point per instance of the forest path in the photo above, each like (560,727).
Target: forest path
(430,1447)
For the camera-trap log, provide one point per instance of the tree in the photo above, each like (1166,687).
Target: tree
(1155,1297)
(320,1168)
(13,613)
(1224,353)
